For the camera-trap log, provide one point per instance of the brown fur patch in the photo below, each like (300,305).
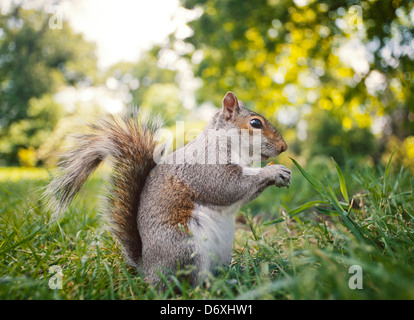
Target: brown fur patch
(243,123)
(273,136)
(271,133)
(179,211)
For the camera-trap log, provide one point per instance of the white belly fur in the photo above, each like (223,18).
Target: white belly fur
(213,235)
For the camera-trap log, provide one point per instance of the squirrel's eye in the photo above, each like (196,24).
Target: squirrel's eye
(256,123)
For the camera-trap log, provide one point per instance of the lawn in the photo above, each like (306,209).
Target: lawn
(296,243)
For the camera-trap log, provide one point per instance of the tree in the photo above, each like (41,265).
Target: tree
(35,61)
(301,56)
(149,86)
(138,77)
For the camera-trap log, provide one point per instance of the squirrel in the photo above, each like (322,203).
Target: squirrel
(173,214)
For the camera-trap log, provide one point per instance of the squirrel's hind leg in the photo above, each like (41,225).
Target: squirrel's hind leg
(171,254)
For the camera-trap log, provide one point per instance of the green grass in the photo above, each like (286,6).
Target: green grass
(297,243)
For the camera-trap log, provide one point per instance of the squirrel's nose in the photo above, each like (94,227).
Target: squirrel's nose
(283,147)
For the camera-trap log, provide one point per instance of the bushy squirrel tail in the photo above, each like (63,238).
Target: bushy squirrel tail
(129,142)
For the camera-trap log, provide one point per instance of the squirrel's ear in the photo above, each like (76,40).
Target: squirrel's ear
(230,105)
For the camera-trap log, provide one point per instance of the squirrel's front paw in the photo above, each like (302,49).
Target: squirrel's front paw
(280,174)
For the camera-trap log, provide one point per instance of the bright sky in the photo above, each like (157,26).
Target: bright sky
(122,29)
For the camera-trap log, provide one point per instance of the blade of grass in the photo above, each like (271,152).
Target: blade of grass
(342,182)
(317,185)
(387,168)
(331,197)
(344,215)
(37,231)
(111,280)
(297,210)
(327,212)
(251,225)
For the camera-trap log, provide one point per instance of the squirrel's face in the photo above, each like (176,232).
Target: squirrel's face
(271,142)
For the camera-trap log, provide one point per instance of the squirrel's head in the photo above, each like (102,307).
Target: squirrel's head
(236,115)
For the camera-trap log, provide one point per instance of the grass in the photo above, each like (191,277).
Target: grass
(290,244)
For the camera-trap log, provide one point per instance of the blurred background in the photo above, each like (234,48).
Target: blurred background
(335,76)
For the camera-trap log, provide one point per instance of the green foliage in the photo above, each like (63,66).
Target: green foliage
(304,258)
(30,133)
(258,37)
(141,76)
(326,136)
(35,62)
(164,99)
(288,57)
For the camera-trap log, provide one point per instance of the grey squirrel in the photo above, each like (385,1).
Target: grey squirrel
(171,214)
